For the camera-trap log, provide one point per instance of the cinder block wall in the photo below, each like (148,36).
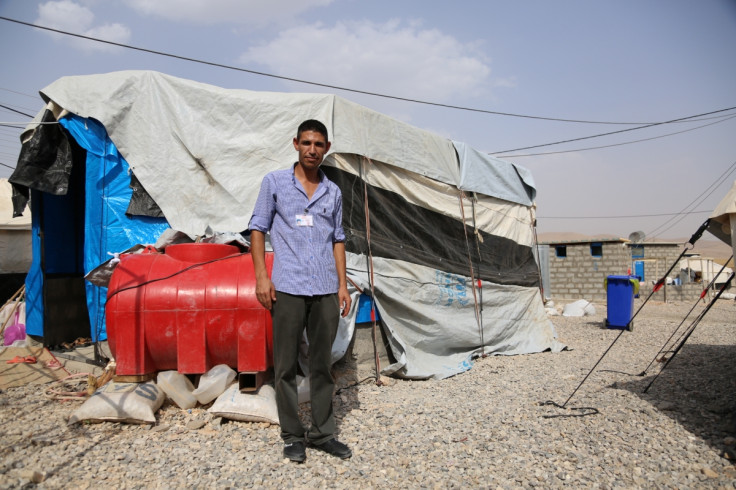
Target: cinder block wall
(657,260)
(685,292)
(580,275)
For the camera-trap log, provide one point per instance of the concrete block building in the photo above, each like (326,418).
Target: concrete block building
(577,269)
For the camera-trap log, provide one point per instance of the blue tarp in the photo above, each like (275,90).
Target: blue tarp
(107,229)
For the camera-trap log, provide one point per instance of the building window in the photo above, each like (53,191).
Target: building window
(637,251)
(596,249)
(561,251)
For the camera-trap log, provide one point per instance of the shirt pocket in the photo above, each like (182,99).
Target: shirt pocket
(324,208)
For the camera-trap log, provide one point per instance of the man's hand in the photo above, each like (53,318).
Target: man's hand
(266,293)
(344,300)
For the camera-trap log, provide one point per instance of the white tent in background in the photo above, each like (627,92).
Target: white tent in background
(15,235)
(723,219)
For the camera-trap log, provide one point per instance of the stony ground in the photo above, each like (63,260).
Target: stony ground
(484,428)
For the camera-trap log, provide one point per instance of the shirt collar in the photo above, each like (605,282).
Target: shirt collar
(320,186)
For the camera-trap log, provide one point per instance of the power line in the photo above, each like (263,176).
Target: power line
(722,119)
(16,111)
(19,93)
(27,109)
(324,85)
(719,180)
(4,165)
(500,153)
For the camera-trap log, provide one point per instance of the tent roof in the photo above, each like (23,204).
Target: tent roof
(191,142)
(723,218)
(726,207)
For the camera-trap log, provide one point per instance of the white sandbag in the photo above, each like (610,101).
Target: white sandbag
(178,388)
(258,406)
(580,307)
(589,309)
(552,312)
(134,403)
(213,383)
(302,389)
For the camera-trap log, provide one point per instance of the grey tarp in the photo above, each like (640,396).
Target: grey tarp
(437,210)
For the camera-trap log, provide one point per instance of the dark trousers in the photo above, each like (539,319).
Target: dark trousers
(320,316)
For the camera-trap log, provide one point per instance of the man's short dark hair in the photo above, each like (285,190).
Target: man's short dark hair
(312,125)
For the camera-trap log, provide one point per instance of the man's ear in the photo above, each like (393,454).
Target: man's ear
(296,144)
(327,146)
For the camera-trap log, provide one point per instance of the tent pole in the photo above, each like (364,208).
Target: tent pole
(369,265)
(461,198)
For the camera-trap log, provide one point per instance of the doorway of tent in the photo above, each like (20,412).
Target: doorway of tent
(56,304)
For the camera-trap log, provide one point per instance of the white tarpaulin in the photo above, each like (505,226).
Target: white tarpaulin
(206,138)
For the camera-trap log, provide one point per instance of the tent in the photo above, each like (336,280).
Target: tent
(706,269)
(15,245)
(440,234)
(723,219)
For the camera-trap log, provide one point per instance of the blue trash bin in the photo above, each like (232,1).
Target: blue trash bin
(620,297)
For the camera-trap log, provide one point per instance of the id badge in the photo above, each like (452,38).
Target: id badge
(304,220)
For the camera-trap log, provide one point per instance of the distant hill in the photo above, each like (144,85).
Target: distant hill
(564,236)
(707,246)
(714,249)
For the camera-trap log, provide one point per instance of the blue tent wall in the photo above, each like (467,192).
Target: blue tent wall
(34,278)
(107,229)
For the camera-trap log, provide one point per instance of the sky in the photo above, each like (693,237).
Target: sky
(509,70)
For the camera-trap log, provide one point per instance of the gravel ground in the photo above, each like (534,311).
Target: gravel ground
(484,428)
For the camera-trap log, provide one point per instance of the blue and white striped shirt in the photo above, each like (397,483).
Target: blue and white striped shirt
(304,262)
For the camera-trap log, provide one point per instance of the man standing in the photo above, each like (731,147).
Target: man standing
(302,209)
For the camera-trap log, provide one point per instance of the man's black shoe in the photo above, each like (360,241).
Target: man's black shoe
(295,451)
(335,448)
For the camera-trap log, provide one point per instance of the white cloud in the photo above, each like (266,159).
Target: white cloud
(65,15)
(110,32)
(229,11)
(70,16)
(391,58)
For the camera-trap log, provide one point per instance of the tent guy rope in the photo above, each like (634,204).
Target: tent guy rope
(691,329)
(702,295)
(694,238)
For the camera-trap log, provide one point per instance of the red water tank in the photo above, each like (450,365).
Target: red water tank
(188,309)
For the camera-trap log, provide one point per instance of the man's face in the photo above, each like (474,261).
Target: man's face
(312,147)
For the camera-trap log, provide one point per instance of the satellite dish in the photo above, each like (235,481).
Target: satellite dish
(637,236)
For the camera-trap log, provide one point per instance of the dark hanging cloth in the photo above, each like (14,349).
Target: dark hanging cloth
(45,163)
(141,203)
